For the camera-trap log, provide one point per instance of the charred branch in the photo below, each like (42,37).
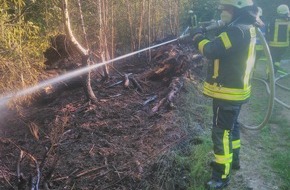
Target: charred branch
(174,88)
(136,84)
(173,61)
(33,179)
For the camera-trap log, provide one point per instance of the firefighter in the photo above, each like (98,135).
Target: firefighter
(231,56)
(192,20)
(278,36)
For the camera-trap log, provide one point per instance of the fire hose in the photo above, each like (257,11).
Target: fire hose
(270,87)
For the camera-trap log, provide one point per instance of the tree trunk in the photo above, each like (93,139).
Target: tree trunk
(130,20)
(103,37)
(84,52)
(141,24)
(87,82)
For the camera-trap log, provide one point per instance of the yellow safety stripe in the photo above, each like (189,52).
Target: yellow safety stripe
(226,96)
(226,40)
(279,44)
(227,158)
(226,175)
(276,32)
(202,44)
(235,91)
(259,47)
(236,144)
(223,159)
(226,93)
(216,68)
(275,42)
(251,58)
(226,142)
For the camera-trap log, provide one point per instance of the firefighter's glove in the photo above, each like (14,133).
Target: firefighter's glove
(197,31)
(191,34)
(197,35)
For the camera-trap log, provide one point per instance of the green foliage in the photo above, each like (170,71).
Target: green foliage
(22,42)
(130,25)
(199,167)
(281,166)
(204,10)
(278,147)
(196,163)
(196,114)
(269,8)
(23,26)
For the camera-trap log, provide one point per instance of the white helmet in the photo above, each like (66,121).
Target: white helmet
(237,3)
(283,9)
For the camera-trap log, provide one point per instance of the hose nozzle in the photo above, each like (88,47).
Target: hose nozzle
(215,25)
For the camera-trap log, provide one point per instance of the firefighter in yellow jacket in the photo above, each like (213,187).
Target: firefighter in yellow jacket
(278,34)
(231,56)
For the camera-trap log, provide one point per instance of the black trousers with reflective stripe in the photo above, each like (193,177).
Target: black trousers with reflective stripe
(225,132)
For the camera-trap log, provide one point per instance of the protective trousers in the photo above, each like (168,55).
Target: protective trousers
(225,137)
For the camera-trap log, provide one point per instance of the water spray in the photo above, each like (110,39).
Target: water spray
(212,25)
(5,99)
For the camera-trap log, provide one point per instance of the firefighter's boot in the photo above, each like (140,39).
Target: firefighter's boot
(217,183)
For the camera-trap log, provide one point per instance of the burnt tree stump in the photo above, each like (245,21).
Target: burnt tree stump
(172,63)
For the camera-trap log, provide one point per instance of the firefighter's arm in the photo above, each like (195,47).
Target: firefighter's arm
(197,35)
(230,40)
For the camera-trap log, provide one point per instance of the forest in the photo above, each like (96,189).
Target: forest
(124,115)
(112,28)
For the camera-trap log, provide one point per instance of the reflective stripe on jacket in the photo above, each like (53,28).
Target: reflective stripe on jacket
(278,33)
(232,57)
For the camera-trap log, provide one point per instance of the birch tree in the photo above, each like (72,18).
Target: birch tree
(84,52)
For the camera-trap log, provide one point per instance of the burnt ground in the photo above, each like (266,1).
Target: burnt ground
(114,144)
(119,143)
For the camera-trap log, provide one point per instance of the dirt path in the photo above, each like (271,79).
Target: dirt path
(255,172)
(253,165)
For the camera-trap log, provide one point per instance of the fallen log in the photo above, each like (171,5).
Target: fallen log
(174,87)
(172,64)
(173,61)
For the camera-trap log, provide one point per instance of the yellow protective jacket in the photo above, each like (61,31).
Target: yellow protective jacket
(278,33)
(231,60)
